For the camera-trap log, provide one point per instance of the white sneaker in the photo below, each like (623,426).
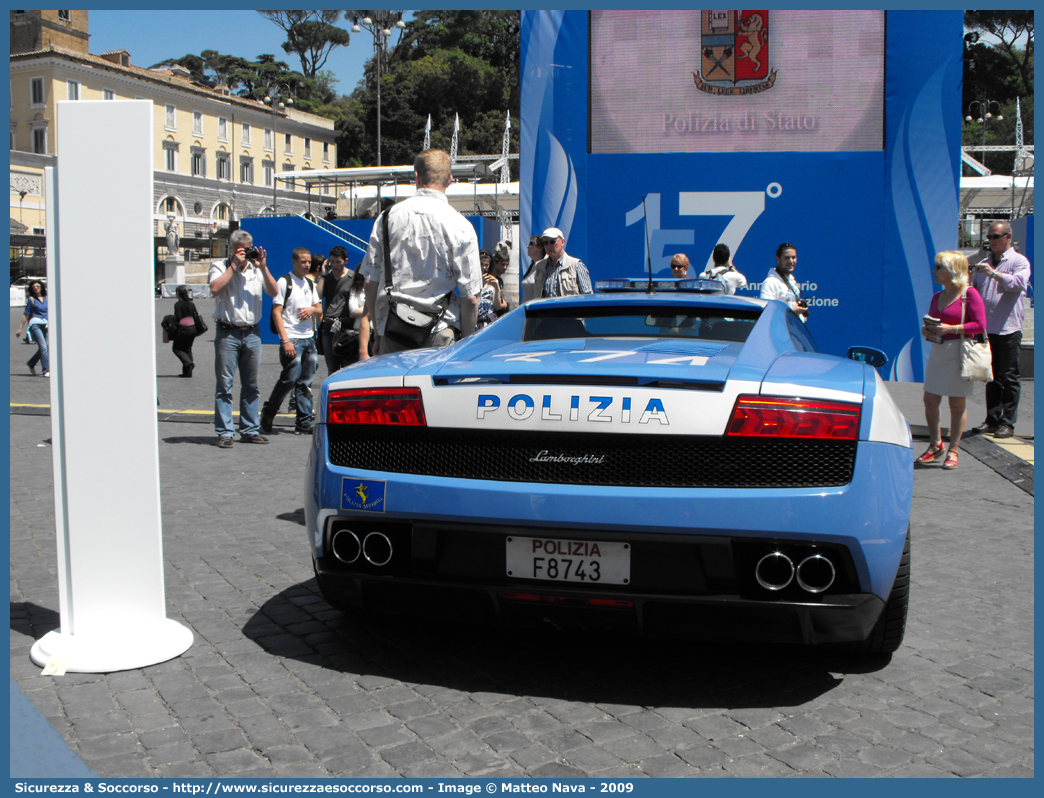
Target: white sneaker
(47,374)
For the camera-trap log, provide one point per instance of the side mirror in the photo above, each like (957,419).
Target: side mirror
(869,355)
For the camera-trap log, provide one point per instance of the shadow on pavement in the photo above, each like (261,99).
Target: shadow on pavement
(199,440)
(584,666)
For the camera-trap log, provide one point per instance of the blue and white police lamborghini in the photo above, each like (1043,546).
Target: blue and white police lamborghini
(664,462)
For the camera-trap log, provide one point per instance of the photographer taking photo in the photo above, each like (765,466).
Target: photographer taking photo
(236,284)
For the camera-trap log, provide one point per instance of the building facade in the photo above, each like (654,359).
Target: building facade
(216,155)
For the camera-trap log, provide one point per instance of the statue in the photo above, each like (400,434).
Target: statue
(172,235)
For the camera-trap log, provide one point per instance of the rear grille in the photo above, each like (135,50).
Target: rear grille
(670,461)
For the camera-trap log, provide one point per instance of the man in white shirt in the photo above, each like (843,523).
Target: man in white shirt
(294,306)
(236,284)
(434,253)
(780,283)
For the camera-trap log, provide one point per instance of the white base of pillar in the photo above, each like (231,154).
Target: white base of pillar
(115,650)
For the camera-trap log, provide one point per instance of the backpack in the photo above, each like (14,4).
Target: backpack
(286,296)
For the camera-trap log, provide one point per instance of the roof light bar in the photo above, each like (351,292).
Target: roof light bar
(636,284)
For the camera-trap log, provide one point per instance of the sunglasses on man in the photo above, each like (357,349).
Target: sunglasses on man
(994,236)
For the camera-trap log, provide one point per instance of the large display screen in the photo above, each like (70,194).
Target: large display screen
(736,81)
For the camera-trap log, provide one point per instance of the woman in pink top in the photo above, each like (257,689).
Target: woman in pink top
(942,374)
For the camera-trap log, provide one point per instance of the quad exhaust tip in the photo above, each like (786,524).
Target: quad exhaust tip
(815,573)
(774,571)
(377,548)
(345,546)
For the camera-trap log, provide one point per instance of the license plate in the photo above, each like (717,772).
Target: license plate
(556,560)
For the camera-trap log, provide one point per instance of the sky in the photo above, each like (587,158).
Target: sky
(153,36)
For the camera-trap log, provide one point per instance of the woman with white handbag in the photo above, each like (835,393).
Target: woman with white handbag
(955,319)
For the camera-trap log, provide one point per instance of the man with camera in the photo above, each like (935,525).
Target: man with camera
(236,285)
(421,253)
(1001,280)
(780,283)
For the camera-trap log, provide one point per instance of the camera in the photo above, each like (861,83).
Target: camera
(802,303)
(252,253)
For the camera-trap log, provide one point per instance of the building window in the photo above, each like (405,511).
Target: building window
(224,166)
(197,123)
(246,134)
(170,118)
(288,144)
(269,172)
(222,129)
(170,205)
(170,156)
(246,170)
(38,95)
(221,212)
(72,90)
(326,152)
(268,139)
(308,148)
(108,94)
(289,184)
(199,163)
(40,140)
(64,16)
(13,138)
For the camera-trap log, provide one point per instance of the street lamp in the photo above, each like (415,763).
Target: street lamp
(983,119)
(273,98)
(378,24)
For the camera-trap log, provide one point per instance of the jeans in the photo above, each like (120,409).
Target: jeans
(297,377)
(237,348)
(1002,395)
(38,332)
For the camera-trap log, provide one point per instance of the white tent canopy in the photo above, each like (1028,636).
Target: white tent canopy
(997,195)
(358,189)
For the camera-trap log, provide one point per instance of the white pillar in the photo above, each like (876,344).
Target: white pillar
(103,397)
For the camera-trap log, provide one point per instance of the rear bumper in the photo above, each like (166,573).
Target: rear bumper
(837,619)
(868,518)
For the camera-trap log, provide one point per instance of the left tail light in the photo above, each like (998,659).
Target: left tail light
(773,417)
(397,406)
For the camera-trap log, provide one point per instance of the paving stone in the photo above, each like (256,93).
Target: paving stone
(757,765)
(959,762)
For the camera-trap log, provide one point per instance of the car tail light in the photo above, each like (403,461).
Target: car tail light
(399,406)
(772,417)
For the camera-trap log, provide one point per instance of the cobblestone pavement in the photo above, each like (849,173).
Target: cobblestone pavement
(279,684)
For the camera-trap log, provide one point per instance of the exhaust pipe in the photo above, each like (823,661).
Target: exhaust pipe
(815,573)
(345,546)
(774,571)
(377,549)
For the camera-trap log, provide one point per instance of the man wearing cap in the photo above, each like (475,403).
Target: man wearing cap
(558,274)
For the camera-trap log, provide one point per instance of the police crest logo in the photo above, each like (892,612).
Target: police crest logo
(362,494)
(734,53)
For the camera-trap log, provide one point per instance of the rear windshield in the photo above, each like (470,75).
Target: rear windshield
(717,324)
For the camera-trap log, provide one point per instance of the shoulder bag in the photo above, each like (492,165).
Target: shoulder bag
(201,326)
(406,326)
(976,358)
